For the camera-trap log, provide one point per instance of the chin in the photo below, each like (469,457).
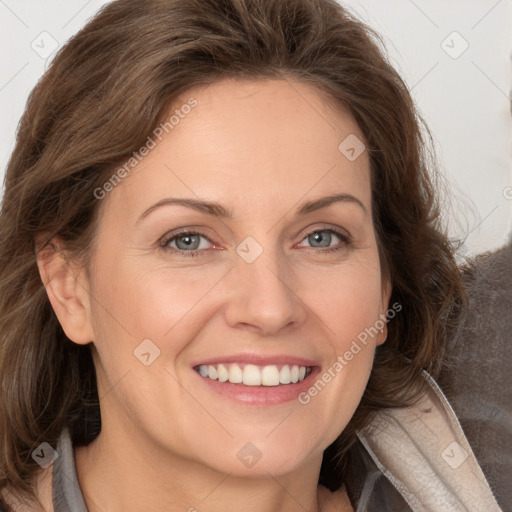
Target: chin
(261,457)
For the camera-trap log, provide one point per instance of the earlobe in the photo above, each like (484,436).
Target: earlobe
(67,291)
(383,335)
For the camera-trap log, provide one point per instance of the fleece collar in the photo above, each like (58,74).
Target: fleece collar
(424,453)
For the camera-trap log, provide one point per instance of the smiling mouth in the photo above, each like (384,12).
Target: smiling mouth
(254,375)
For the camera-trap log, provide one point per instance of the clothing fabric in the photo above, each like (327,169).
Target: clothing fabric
(67,495)
(423,452)
(477,366)
(413,459)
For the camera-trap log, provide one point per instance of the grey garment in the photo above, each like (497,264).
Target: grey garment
(67,495)
(476,374)
(369,489)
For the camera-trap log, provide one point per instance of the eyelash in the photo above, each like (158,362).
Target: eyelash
(345,242)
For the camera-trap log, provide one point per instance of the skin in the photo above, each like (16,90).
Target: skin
(168,442)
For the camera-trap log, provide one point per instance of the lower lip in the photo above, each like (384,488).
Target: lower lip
(260,395)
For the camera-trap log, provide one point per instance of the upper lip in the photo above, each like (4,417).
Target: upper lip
(258,360)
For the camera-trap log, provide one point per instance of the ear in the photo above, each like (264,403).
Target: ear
(67,290)
(386,295)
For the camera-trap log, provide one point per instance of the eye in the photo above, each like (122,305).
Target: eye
(187,243)
(324,237)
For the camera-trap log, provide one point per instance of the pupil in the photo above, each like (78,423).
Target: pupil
(318,236)
(189,239)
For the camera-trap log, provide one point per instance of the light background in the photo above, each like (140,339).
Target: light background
(463,95)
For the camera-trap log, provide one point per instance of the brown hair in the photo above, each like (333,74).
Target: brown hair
(104,93)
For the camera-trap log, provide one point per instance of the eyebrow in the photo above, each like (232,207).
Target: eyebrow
(217,210)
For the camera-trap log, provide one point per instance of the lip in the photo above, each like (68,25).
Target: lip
(258,360)
(262,396)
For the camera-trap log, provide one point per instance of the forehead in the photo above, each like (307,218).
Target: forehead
(248,143)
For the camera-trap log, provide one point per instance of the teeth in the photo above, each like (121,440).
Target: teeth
(270,376)
(235,374)
(252,375)
(285,376)
(212,372)
(222,373)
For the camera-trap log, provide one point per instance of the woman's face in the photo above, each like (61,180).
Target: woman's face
(267,286)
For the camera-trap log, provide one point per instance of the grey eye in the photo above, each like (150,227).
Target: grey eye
(190,241)
(323,237)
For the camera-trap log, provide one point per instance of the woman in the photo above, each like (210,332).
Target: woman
(172,336)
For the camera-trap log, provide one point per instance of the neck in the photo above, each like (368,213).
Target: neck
(120,471)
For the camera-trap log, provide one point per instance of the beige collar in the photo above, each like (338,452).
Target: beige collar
(423,451)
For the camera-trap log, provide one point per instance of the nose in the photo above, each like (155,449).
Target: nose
(264,296)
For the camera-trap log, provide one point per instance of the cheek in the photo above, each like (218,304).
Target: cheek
(152,302)
(348,303)
(348,298)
